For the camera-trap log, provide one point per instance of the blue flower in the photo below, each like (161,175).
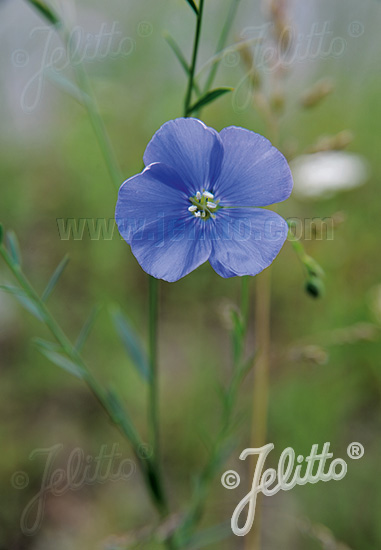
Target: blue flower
(199,199)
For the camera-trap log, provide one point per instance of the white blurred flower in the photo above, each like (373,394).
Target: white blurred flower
(324,174)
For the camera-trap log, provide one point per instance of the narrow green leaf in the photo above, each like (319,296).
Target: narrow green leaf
(86,329)
(131,343)
(176,50)
(62,361)
(30,306)
(12,290)
(193,6)
(208,98)
(1,233)
(46,345)
(181,58)
(13,247)
(55,278)
(46,11)
(66,86)
(23,298)
(121,416)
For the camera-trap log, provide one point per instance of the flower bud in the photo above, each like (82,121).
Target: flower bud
(315,286)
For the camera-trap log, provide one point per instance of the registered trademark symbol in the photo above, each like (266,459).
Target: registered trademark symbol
(145,28)
(355,450)
(356,29)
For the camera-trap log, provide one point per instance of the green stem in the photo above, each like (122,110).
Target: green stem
(153,382)
(188,96)
(213,465)
(125,426)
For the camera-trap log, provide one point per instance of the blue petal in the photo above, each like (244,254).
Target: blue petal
(246,241)
(147,197)
(173,248)
(191,148)
(253,173)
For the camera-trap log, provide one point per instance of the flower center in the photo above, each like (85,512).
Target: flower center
(203,205)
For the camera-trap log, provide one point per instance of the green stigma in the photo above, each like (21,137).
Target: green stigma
(204,206)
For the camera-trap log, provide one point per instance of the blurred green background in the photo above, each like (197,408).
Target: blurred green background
(325,372)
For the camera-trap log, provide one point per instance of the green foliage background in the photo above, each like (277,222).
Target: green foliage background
(52,168)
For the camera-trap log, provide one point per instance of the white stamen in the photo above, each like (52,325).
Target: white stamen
(203,214)
(198,214)
(192,208)
(211,205)
(208,195)
(198,195)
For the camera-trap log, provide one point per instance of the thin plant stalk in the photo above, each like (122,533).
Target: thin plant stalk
(101,395)
(153,401)
(188,96)
(261,387)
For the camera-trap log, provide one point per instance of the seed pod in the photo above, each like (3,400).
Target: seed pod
(317,93)
(332,143)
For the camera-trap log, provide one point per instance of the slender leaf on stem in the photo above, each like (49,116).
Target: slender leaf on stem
(16,291)
(55,278)
(86,329)
(131,343)
(67,86)
(181,58)
(192,69)
(176,50)
(61,361)
(46,11)
(121,417)
(193,6)
(47,345)
(208,98)
(13,247)
(23,298)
